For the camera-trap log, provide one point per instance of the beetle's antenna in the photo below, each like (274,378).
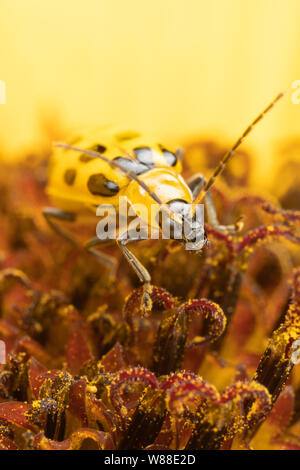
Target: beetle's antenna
(230,153)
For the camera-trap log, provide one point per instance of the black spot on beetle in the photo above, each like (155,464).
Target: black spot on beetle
(99,185)
(98,148)
(144,155)
(69,176)
(170,157)
(128,135)
(131,165)
(84,158)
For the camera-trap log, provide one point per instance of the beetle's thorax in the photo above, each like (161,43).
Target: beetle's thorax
(166,184)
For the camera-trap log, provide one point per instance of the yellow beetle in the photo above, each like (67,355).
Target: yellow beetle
(97,168)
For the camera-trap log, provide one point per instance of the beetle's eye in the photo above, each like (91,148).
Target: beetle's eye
(179,206)
(132,165)
(170,157)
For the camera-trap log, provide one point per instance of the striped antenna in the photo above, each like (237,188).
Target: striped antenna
(230,153)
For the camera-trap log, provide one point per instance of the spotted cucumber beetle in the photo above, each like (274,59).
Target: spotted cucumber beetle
(101,166)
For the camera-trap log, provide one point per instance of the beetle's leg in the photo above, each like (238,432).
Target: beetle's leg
(103,258)
(141,272)
(179,154)
(213,219)
(196,183)
(54,213)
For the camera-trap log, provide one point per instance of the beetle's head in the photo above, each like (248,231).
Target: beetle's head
(183,226)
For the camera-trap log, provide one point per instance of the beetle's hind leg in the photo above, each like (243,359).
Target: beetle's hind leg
(51,213)
(196,183)
(109,261)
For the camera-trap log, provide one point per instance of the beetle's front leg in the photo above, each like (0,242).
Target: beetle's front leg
(196,183)
(213,218)
(141,272)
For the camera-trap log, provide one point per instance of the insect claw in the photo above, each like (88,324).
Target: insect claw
(111,281)
(146,300)
(239,224)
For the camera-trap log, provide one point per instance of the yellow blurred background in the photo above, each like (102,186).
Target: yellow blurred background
(171,67)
